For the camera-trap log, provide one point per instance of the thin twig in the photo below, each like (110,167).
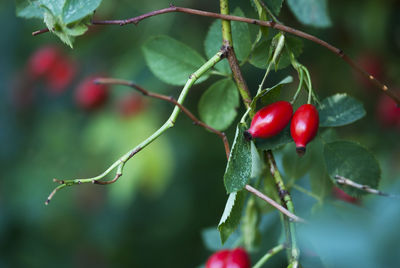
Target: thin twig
(274,204)
(345,181)
(170,99)
(268,255)
(270,24)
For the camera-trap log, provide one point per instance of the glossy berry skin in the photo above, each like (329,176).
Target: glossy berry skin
(304,126)
(90,96)
(270,120)
(236,258)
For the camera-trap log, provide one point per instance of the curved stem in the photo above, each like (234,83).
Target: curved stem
(196,121)
(120,163)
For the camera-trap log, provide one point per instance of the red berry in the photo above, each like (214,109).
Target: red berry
(237,258)
(340,194)
(304,126)
(130,105)
(89,95)
(387,111)
(270,120)
(61,74)
(218,259)
(42,60)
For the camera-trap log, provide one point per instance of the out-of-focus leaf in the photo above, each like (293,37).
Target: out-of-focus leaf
(29,9)
(212,240)
(353,162)
(251,233)
(232,214)
(172,61)
(238,169)
(340,110)
(311,12)
(218,105)
(148,171)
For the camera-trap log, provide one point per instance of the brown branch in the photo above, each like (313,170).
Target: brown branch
(170,99)
(270,24)
(273,203)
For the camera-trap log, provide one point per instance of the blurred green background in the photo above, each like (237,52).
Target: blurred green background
(153,216)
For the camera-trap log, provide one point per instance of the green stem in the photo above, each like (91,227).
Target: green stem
(268,255)
(233,62)
(264,78)
(286,201)
(120,163)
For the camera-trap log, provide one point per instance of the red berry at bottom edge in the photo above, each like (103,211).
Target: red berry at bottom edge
(304,126)
(90,96)
(236,258)
(270,120)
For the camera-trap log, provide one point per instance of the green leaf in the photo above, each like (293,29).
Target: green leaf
(270,95)
(241,40)
(263,52)
(212,240)
(276,141)
(262,15)
(251,219)
(257,165)
(64,18)
(232,214)
(218,105)
(238,169)
(75,10)
(311,12)
(172,61)
(340,110)
(274,6)
(353,162)
(54,6)
(212,45)
(29,9)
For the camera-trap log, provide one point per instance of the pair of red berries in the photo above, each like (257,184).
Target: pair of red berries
(272,119)
(236,258)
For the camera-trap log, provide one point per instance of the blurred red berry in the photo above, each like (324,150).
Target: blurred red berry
(42,60)
(340,194)
(373,65)
(61,74)
(237,258)
(90,96)
(130,105)
(387,112)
